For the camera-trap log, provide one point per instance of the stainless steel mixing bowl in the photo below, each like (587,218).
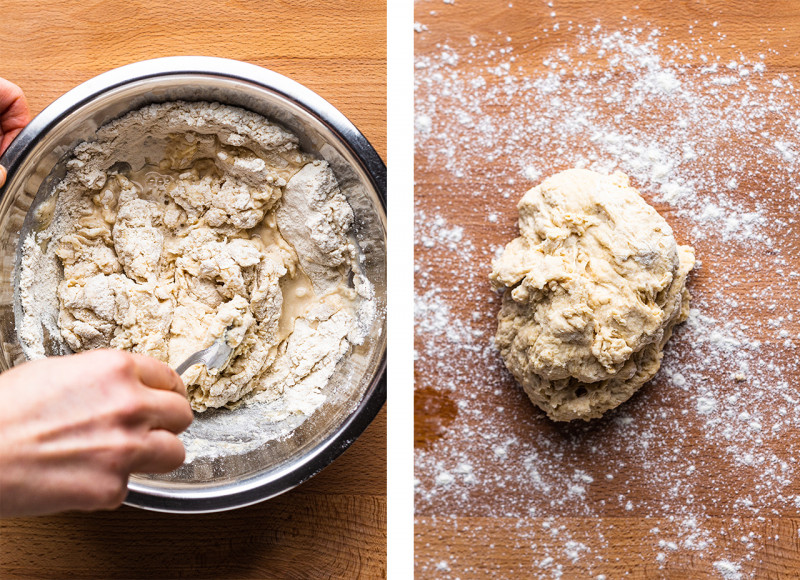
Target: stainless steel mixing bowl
(253,462)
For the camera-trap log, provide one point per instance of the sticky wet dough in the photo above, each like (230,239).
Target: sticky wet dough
(593,287)
(183,220)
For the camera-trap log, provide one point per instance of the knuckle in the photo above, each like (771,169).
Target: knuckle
(122,448)
(120,362)
(129,448)
(113,494)
(108,491)
(126,407)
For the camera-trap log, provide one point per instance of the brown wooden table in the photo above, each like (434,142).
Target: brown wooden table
(335,524)
(658,488)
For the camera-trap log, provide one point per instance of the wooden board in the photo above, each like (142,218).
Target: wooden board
(333,525)
(658,488)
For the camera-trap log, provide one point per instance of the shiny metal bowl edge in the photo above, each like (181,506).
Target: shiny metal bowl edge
(42,146)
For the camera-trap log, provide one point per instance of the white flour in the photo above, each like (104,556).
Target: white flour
(661,112)
(182,220)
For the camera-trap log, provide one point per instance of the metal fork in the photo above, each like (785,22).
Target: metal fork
(213,357)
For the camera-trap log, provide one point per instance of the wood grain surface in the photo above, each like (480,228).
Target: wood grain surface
(333,525)
(502,491)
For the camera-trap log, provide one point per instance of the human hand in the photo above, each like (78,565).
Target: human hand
(14,115)
(73,428)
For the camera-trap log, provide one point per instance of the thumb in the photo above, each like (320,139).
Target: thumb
(2,175)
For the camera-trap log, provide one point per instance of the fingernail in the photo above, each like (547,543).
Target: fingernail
(2,175)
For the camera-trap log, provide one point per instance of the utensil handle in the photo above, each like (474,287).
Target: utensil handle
(192,360)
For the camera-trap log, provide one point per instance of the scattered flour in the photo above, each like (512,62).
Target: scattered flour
(693,125)
(728,570)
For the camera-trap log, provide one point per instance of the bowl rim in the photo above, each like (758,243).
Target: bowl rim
(230,496)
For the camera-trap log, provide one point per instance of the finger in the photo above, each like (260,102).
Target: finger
(162,452)
(2,176)
(14,112)
(8,137)
(158,375)
(168,410)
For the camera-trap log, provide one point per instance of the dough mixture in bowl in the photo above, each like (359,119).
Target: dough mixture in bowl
(182,222)
(593,285)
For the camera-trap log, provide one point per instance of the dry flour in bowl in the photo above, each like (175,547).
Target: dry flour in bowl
(181,220)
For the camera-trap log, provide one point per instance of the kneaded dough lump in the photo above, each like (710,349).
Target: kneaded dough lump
(593,285)
(183,222)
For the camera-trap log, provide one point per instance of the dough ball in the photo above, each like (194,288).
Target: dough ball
(593,287)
